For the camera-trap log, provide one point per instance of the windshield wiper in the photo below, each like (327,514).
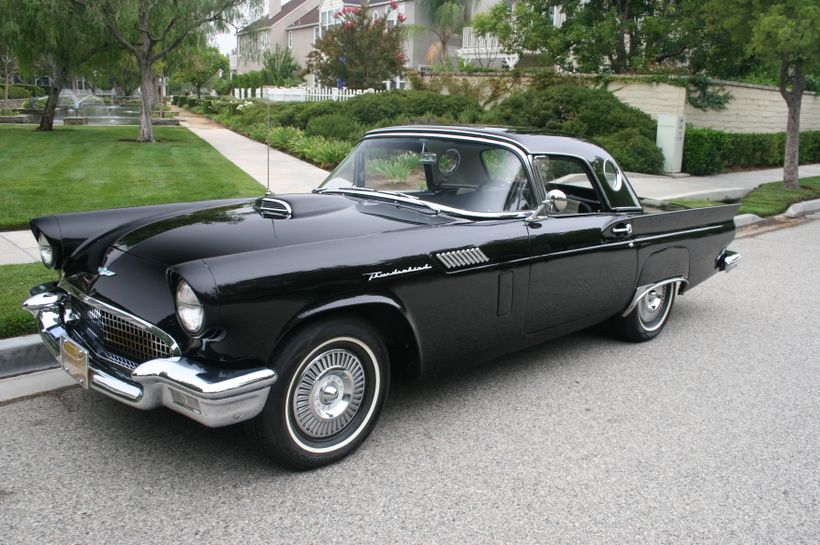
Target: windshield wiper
(395,197)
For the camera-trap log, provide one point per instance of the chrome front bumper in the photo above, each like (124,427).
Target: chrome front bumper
(213,397)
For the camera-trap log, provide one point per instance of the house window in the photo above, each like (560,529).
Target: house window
(290,39)
(317,33)
(328,19)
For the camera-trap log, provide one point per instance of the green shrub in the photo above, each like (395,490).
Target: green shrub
(305,111)
(22,91)
(633,151)
(283,137)
(323,152)
(573,109)
(335,126)
(707,151)
(381,109)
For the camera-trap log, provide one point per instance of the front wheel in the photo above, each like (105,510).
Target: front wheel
(648,317)
(333,382)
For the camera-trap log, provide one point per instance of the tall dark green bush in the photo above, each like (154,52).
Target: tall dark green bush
(572,109)
(634,151)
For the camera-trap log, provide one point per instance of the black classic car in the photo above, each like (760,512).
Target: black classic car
(428,248)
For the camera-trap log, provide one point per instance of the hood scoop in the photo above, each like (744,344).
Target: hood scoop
(270,207)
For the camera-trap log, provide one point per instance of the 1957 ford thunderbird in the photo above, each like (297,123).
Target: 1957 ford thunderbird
(429,247)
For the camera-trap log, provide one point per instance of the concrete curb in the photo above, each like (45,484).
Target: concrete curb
(802,208)
(24,355)
(742,220)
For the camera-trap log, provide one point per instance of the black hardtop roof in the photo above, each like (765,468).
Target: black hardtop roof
(531,140)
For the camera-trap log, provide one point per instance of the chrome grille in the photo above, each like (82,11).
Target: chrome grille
(462,258)
(124,343)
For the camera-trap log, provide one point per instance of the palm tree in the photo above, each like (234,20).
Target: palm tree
(448,18)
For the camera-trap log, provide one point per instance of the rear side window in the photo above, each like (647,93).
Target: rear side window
(615,185)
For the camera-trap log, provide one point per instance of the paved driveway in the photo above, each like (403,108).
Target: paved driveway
(709,434)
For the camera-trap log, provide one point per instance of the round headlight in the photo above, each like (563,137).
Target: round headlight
(189,310)
(46,251)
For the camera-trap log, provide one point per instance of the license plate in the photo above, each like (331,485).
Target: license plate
(74,359)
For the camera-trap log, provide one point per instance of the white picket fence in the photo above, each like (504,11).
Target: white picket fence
(301,94)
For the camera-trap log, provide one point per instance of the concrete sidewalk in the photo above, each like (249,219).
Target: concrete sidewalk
(287,174)
(717,187)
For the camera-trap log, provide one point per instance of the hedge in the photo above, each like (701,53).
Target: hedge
(708,151)
(628,133)
(22,91)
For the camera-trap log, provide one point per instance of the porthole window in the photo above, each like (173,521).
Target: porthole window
(612,175)
(449,161)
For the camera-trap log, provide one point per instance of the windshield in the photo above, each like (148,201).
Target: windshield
(460,174)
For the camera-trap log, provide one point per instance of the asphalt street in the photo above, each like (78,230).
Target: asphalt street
(708,434)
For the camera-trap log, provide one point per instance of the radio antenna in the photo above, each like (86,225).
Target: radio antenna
(267,151)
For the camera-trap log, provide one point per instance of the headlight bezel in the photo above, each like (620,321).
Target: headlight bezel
(190,311)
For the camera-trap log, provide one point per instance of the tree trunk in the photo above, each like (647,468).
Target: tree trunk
(794,100)
(47,121)
(147,88)
(6,90)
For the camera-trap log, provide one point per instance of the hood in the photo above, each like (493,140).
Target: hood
(239,228)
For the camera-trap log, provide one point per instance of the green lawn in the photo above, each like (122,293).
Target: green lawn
(88,168)
(772,199)
(15,281)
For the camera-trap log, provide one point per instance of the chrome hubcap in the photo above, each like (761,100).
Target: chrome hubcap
(329,393)
(651,305)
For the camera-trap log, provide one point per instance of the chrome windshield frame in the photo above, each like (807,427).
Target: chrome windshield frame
(522,155)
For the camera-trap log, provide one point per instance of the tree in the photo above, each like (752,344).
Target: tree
(361,51)
(785,36)
(616,36)
(280,67)
(201,66)
(8,61)
(447,21)
(150,30)
(53,39)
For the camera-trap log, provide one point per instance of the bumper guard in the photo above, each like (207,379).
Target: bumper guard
(213,397)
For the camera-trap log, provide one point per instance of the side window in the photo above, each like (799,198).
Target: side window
(571,176)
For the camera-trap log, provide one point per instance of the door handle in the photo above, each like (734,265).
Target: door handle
(625,230)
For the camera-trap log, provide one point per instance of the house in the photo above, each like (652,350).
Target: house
(299,23)
(262,35)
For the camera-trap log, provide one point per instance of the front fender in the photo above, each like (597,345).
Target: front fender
(386,313)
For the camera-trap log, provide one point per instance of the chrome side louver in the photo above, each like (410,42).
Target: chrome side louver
(462,258)
(274,208)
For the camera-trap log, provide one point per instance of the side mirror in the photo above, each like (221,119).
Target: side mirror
(555,202)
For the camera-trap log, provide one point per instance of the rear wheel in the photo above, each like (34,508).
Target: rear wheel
(333,381)
(649,316)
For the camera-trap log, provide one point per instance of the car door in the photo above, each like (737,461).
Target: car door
(583,258)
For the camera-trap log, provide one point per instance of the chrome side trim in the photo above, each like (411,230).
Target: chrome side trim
(462,258)
(138,322)
(643,290)
(677,233)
